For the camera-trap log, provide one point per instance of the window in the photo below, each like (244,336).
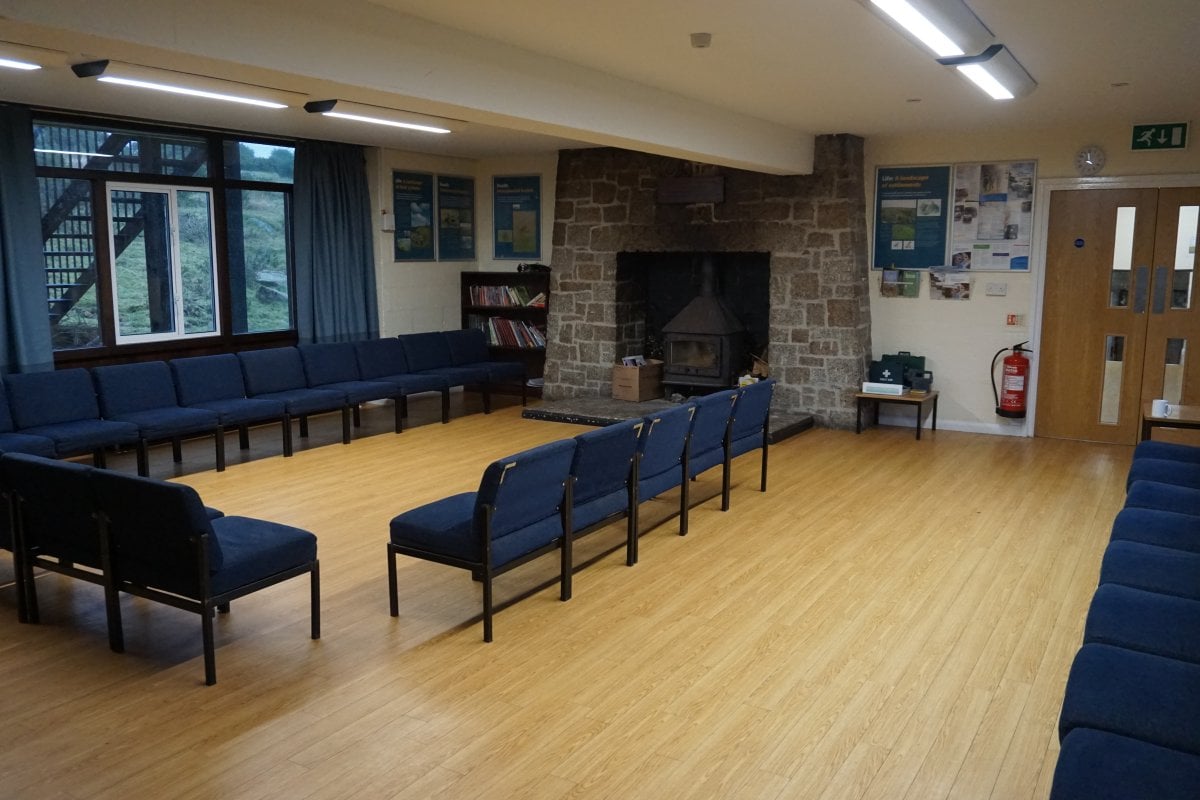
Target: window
(153,235)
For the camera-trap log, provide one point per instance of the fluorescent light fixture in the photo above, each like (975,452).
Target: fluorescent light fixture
(946,27)
(27,58)
(375,115)
(996,71)
(183,83)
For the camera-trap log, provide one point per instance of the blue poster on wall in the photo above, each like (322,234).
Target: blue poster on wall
(456,218)
(412,199)
(516,210)
(911,217)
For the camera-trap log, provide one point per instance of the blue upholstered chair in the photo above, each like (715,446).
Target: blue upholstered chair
(1163,497)
(520,511)
(750,424)
(605,473)
(469,348)
(165,547)
(1162,528)
(333,365)
(709,445)
(277,373)
(13,442)
(215,383)
(1164,470)
(383,360)
(663,460)
(62,406)
(1149,622)
(429,354)
(1098,765)
(1133,694)
(1152,568)
(1167,450)
(143,394)
(53,524)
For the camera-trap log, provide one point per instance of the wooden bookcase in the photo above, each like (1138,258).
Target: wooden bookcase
(487,302)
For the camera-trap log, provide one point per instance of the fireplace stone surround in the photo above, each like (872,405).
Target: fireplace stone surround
(813,227)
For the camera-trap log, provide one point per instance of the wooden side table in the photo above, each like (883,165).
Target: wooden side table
(1180,417)
(906,399)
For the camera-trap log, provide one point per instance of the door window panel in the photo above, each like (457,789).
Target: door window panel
(1114,370)
(1173,370)
(1185,257)
(1122,266)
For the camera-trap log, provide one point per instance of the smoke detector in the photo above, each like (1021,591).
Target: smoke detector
(701,40)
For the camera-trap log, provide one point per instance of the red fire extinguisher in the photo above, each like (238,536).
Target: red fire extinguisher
(1010,401)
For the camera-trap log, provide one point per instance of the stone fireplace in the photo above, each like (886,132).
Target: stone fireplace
(810,228)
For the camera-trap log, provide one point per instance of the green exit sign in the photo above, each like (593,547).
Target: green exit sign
(1163,136)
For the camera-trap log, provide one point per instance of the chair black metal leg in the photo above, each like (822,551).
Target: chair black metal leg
(763,487)
(244,437)
(524,393)
(99,460)
(399,409)
(487,606)
(357,411)
(223,608)
(143,459)
(177,450)
(315,589)
(683,503)
(487,398)
(210,652)
(219,443)
(393,600)
(287,435)
(304,426)
(445,406)
(346,424)
(726,476)
(404,405)
(112,611)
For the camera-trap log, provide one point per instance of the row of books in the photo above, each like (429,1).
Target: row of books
(503,332)
(505,296)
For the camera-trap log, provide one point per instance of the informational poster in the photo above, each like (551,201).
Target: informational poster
(412,199)
(911,217)
(900,283)
(517,212)
(949,285)
(456,218)
(993,215)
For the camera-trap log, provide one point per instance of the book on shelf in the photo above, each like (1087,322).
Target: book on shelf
(516,296)
(503,332)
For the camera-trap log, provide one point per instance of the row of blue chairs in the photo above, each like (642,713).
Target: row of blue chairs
(76,411)
(143,537)
(541,500)
(1130,723)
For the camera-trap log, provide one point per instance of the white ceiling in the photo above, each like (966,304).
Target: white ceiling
(810,66)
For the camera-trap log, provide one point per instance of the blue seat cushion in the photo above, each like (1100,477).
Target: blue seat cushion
(166,423)
(124,389)
(307,401)
(329,362)
(426,351)
(746,444)
(380,357)
(24,443)
(1163,528)
(751,410)
(652,486)
(363,391)
(460,376)
(1164,497)
(243,410)
(1167,450)
(445,528)
(83,435)
(1147,621)
(503,371)
(1164,470)
(1097,765)
(254,549)
(603,459)
(599,508)
(409,383)
(204,379)
(1133,694)
(1153,568)
(276,369)
(467,346)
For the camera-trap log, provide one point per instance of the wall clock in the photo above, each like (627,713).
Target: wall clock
(1089,160)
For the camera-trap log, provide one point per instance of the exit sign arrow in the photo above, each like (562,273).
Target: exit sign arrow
(1162,136)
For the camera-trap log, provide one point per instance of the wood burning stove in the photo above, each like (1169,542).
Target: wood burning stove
(703,344)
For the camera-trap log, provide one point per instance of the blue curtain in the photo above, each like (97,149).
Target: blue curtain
(24,322)
(335,265)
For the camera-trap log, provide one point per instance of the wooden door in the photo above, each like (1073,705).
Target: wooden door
(1119,312)
(1100,245)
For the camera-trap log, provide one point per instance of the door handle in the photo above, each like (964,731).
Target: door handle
(1160,290)
(1141,279)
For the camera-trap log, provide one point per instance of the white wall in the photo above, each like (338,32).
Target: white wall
(959,339)
(424,295)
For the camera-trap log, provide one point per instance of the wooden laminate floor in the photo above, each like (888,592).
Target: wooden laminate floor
(892,619)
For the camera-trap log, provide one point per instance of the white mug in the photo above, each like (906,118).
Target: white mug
(1160,408)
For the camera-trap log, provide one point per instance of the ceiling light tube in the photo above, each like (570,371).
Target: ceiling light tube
(996,71)
(28,59)
(183,83)
(357,112)
(945,27)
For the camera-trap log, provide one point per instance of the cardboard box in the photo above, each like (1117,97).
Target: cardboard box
(638,383)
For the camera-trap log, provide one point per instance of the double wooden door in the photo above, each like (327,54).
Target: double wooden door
(1120,324)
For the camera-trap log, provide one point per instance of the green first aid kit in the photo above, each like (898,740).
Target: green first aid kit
(896,368)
